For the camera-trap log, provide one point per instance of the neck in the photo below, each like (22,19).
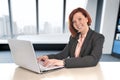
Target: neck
(84,32)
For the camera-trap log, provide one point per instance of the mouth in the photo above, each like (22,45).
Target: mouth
(79,28)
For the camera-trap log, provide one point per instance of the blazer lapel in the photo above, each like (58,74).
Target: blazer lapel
(86,41)
(74,46)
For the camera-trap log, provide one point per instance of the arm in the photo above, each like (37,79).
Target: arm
(89,60)
(56,59)
(63,54)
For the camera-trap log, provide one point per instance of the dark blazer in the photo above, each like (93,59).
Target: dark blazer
(90,53)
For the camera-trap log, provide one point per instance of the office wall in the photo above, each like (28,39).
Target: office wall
(108,23)
(91,8)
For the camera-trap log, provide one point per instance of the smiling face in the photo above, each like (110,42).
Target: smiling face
(79,22)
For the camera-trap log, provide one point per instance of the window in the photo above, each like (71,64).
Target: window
(50,16)
(20,18)
(4,20)
(116,42)
(23,17)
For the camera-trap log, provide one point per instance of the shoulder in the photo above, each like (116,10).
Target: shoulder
(72,39)
(96,34)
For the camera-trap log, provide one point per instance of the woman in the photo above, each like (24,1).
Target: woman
(85,45)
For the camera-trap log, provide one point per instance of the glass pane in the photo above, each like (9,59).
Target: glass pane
(70,5)
(116,46)
(50,16)
(24,17)
(116,42)
(4,20)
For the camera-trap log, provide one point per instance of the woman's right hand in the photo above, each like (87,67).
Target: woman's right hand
(42,58)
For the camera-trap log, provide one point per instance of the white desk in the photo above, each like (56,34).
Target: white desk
(103,71)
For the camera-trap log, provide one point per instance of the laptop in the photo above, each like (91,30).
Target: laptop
(24,55)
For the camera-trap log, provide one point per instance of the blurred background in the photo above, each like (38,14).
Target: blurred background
(45,22)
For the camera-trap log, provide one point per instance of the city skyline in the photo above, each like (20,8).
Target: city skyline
(27,29)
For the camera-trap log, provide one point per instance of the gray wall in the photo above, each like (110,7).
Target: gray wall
(91,8)
(108,23)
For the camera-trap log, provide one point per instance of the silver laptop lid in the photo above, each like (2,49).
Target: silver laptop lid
(23,54)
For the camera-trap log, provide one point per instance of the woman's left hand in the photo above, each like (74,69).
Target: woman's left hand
(53,62)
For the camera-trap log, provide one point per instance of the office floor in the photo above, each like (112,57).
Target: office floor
(5,56)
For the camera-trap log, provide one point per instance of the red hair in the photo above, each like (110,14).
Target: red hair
(85,13)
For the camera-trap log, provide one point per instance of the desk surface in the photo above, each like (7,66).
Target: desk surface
(103,71)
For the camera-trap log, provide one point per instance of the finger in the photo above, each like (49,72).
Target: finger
(38,59)
(55,63)
(43,59)
(48,63)
(45,63)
